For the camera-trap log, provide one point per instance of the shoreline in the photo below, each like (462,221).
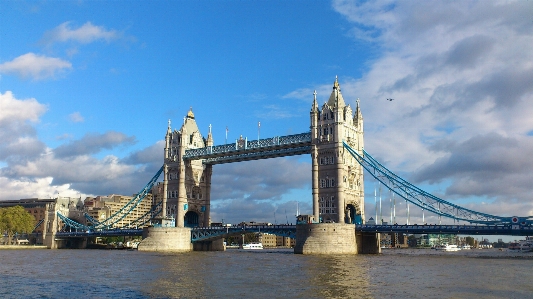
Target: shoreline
(17,247)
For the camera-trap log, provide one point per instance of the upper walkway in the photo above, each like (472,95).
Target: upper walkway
(245,150)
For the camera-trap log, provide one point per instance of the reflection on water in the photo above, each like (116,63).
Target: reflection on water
(264,274)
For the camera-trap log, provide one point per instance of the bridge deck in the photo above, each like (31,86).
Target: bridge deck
(211,233)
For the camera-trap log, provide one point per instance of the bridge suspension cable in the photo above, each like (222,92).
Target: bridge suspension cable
(121,213)
(425,200)
(129,206)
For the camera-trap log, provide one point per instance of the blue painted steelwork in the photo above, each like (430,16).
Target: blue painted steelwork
(147,217)
(425,200)
(212,233)
(511,230)
(119,215)
(91,219)
(244,150)
(130,206)
(101,233)
(37,225)
(71,223)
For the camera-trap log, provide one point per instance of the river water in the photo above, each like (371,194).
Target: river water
(397,273)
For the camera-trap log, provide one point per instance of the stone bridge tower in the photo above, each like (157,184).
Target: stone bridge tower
(187,184)
(338,193)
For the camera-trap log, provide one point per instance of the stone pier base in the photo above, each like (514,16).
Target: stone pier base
(49,241)
(325,238)
(175,239)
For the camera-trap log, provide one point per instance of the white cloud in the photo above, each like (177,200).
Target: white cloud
(13,189)
(457,70)
(14,110)
(18,137)
(31,169)
(76,117)
(85,34)
(35,66)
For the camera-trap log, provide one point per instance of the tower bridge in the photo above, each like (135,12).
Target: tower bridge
(182,202)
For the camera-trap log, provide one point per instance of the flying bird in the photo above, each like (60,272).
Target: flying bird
(390,100)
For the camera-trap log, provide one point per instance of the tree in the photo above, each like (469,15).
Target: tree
(15,220)
(470,241)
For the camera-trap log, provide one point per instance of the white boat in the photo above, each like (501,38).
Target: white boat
(522,245)
(447,247)
(254,245)
(526,246)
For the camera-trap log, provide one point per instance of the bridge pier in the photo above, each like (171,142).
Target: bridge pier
(334,238)
(49,241)
(325,238)
(176,239)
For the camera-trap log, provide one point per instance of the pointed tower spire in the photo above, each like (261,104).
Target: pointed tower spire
(314,108)
(358,117)
(167,140)
(336,99)
(209,137)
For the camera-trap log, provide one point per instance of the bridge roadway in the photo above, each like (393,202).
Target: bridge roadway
(212,233)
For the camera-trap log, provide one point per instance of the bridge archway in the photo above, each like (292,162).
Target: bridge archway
(191,219)
(351,215)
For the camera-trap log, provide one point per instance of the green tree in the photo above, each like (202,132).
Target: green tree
(470,241)
(15,220)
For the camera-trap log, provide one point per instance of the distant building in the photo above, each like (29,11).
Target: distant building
(393,240)
(270,240)
(103,207)
(45,213)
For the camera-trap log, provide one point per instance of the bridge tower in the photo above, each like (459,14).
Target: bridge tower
(337,182)
(188,183)
(337,185)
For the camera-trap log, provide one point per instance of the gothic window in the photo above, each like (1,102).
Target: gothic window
(325,131)
(322,183)
(332,183)
(330,130)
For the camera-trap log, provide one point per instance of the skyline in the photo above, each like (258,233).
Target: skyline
(87,89)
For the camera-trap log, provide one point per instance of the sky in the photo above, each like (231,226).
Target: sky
(87,89)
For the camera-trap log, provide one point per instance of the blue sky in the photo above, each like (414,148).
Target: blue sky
(87,88)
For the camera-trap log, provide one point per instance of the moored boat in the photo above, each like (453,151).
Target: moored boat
(253,245)
(447,247)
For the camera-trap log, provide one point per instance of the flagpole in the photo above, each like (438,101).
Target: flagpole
(258,129)
(226,135)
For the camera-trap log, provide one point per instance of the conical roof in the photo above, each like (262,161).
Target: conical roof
(336,99)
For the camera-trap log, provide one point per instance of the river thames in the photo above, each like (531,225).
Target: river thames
(397,273)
